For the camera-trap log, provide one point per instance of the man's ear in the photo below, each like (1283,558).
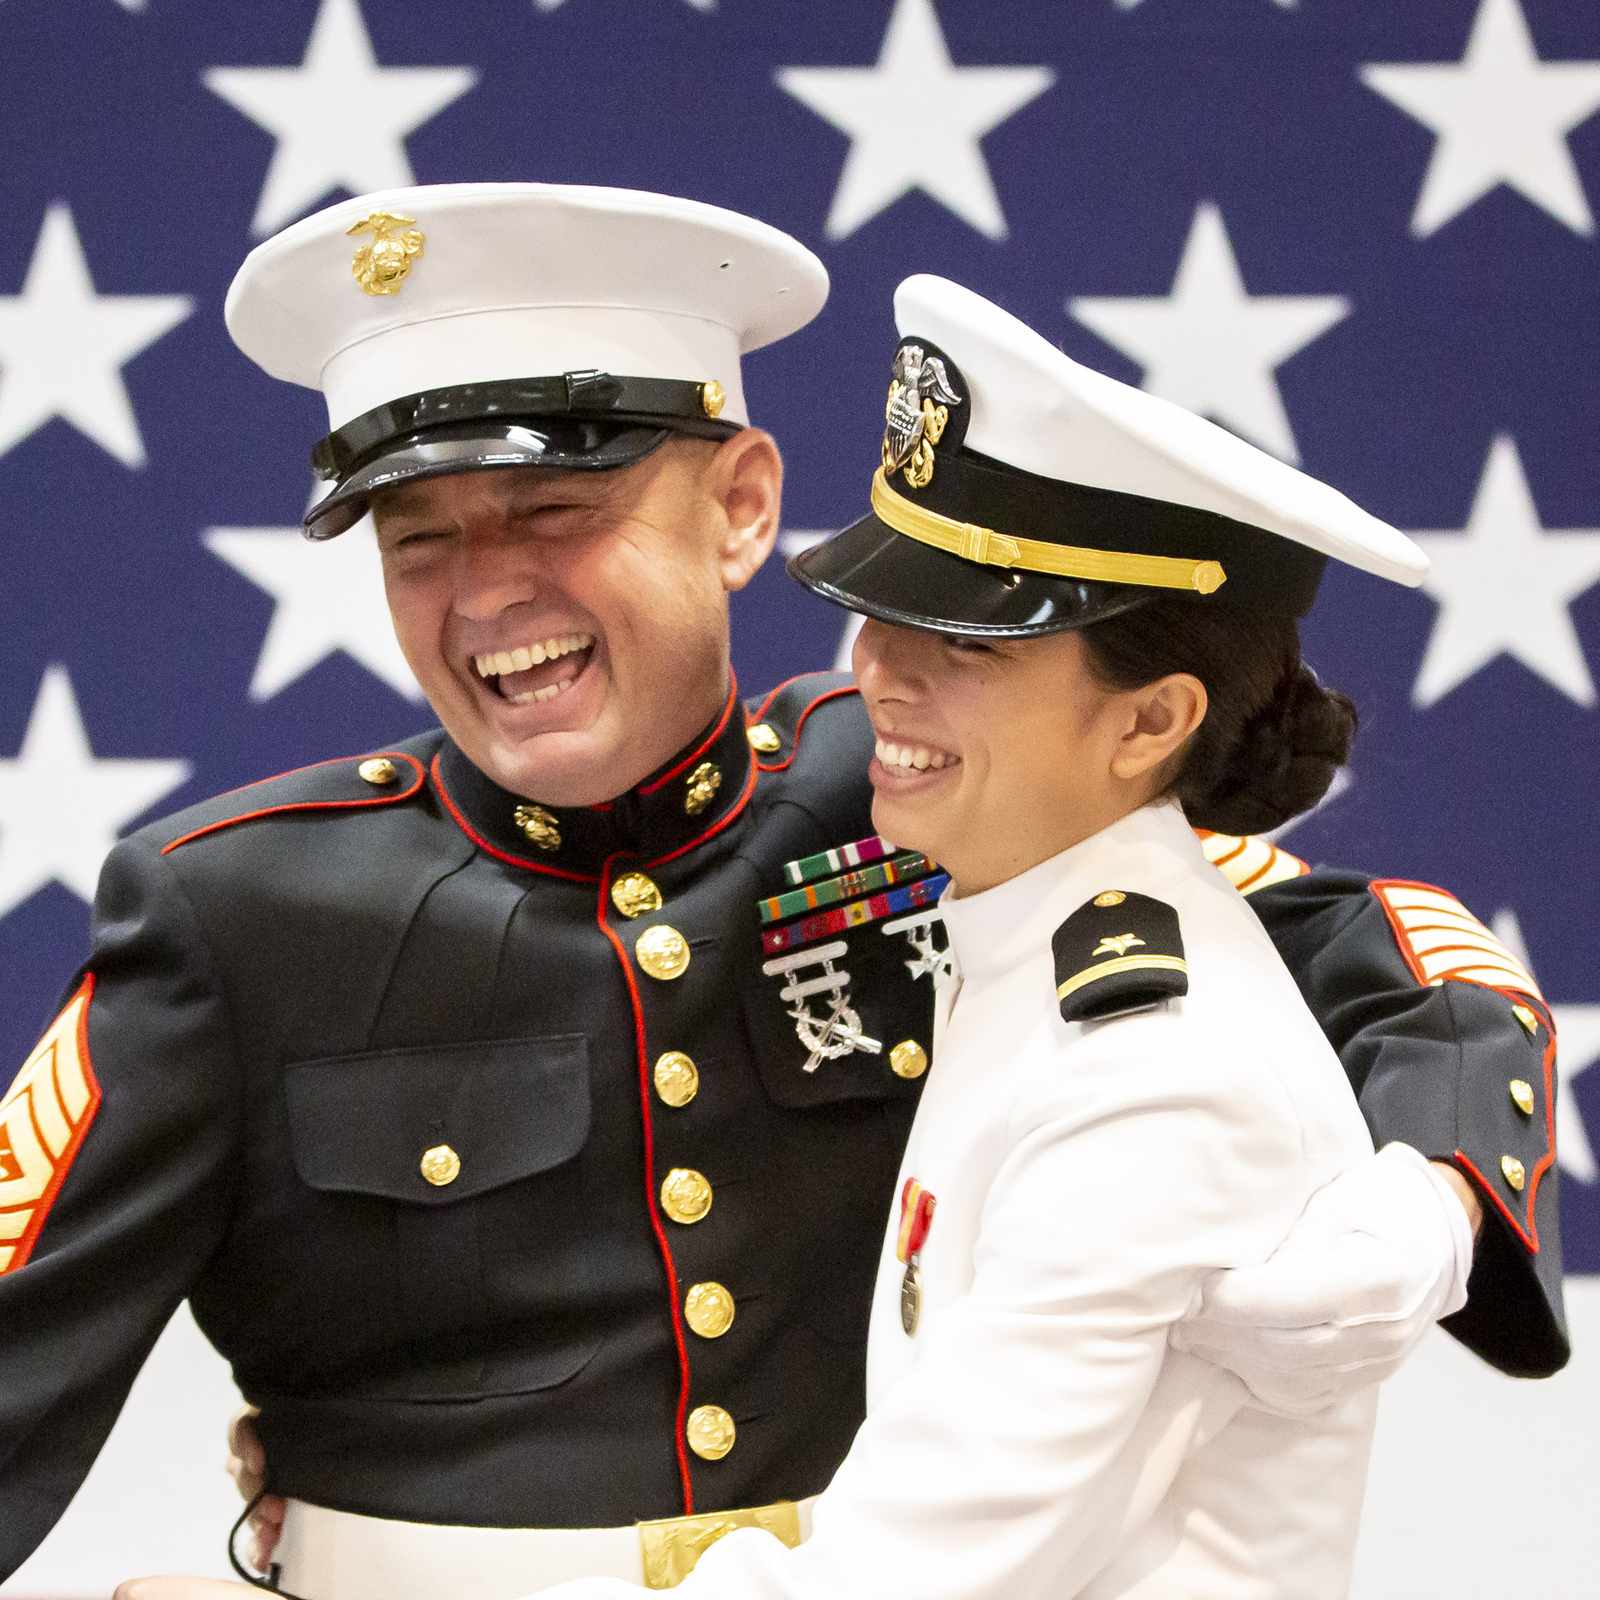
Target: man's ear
(745,477)
(1162,716)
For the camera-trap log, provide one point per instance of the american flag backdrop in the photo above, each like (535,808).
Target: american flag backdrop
(1362,236)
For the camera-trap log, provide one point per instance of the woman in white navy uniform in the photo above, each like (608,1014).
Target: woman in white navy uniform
(1081,643)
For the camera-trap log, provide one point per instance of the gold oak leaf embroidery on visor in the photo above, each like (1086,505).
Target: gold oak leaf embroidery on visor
(43,1119)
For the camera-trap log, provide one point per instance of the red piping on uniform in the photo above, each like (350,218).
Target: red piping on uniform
(701,748)
(668,1266)
(1402,935)
(489,849)
(1529,1235)
(832,694)
(69,1153)
(307,805)
(716,827)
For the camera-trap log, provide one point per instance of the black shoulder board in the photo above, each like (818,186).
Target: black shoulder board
(1118,953)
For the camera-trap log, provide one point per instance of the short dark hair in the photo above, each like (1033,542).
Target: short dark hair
(1273,737)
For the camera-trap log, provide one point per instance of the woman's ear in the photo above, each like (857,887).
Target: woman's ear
(1164,714)
(745,477)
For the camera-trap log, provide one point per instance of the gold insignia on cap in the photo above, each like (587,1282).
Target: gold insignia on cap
(383,263)
(703,784)
(917,412)
(908,1059)
(764,739)
(710,1432)
(685,1195)
(539,827)
(378,771)
(634,894)
(1522,1095)
(677,1078)
(663,952)
(440,1165)
(708,1308)
(713,397)
(1116,944)
(1515,1173)
(1527,1017)
(1209,576)
(1112,897)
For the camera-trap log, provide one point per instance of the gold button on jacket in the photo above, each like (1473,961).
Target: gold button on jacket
(908,1059)
(1515,1173)
(440,1165)
(1522,1095)
(635,895)
(711,1432)
(685,1195)
(378,771)
(764,739)
(677,1078)
(663,952)
(709,1309)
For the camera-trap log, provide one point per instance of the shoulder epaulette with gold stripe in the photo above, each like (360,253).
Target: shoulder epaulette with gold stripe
(1118,953)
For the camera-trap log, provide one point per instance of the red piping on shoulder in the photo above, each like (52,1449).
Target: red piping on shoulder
(1528,1235)
(668,1266)
(800,722)
(309,805)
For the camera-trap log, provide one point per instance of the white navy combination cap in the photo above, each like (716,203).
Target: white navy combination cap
(1020,493)
(460,326)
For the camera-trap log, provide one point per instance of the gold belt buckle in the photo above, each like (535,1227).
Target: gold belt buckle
(671,1546)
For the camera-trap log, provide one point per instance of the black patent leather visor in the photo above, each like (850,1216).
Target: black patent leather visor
(563,444)
(870,568)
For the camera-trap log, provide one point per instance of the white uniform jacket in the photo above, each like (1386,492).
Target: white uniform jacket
(1036,1436)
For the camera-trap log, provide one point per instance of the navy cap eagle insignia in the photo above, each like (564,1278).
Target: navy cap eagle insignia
(920,397)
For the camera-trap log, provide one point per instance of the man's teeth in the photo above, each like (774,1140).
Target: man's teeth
(917,757)
(499,662)
(535,696)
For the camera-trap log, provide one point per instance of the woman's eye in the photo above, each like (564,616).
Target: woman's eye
(962,644)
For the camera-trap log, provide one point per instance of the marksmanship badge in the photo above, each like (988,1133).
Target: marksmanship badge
(839,1032)
(920,397)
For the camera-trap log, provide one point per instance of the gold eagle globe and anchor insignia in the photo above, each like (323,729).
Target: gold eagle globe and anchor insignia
(383,263)
(539,827)
(920,397)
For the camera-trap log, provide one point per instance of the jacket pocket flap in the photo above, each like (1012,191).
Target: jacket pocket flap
(439,1123)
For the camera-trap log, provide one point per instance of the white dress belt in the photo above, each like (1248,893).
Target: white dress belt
(340,1555)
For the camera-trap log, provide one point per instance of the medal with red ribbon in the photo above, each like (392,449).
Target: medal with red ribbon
(916,1218)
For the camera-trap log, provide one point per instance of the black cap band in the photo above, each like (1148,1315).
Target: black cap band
(676,403)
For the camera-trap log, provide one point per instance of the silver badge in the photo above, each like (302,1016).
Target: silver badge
(928,961)
(838,1032)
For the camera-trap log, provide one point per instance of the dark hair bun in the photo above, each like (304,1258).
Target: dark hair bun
(1284,760)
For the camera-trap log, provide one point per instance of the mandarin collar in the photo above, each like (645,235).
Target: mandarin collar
(1000,929)
(688,800)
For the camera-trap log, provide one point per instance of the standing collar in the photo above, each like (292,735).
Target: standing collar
(1000,929)
(692,797)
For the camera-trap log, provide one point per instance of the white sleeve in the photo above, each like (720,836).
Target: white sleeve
(1010,1460)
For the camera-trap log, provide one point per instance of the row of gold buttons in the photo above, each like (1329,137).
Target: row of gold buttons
(686,1195)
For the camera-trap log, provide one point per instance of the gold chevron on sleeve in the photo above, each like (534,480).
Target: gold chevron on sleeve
(1441,939)
(43,1118)
(1249,863)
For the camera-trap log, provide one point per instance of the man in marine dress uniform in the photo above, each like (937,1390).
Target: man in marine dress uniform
(512,1131)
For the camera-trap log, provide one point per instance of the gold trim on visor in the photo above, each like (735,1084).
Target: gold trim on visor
(974,543)
(1108,969)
